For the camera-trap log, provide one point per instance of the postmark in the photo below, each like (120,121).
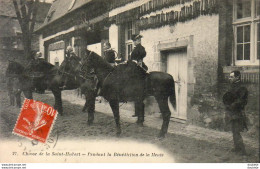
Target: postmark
(35,121)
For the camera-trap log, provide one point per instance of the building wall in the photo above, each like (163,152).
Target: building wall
(41,45)
(202,64)
(205,32)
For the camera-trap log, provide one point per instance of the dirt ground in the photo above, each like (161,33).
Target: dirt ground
(185,143)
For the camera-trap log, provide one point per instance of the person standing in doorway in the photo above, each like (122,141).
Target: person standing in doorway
(235,101)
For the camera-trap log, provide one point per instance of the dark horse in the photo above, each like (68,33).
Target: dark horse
(130,82)
(43,75)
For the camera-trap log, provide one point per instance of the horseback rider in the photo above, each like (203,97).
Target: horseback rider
(35,60)
(137,55)
(138,52)
(109,54)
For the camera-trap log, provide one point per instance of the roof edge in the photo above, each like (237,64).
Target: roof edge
(69,12)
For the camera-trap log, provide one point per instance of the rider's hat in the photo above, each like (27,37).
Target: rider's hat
(137,36)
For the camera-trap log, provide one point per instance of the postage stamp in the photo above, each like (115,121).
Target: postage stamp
(35,121)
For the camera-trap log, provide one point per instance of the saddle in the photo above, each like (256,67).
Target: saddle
(127,80)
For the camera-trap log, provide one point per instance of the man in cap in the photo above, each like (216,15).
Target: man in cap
(70,53)
(138,52)
(35,60)
(36,71)
(138,55)
(235,101)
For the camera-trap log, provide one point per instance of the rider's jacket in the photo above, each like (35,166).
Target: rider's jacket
(138,53)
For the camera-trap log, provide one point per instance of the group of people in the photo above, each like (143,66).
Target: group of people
(234,100)
(137,55)
(111,56)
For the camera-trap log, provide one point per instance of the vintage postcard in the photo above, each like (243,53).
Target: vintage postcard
(129,81)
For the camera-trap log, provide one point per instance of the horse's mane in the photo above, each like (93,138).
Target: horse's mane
(46,64)
(41,66)
(99,61)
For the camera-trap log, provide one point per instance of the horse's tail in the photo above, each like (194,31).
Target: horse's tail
(172,96)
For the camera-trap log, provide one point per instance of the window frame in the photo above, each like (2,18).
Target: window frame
(257,40)
(129,41)
(252,21)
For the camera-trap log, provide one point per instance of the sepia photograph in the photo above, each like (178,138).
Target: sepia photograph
(129,81)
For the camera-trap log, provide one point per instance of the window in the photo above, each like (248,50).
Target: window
(246,29)
(129,49)
(257,7)
(129,31)
(243,42)
(243,9)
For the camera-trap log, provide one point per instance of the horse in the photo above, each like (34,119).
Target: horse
(130,82)
(44,75)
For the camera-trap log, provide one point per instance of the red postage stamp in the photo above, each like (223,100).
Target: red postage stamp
(35,120)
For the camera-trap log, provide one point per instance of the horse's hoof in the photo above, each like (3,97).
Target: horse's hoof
(139,123)
(161,136)
(90,123)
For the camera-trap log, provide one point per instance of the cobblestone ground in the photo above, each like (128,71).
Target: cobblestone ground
(186,143)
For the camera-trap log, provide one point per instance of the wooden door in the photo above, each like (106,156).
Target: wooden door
(177,67)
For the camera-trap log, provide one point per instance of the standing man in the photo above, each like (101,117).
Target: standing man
(138,52)
(109,54)
(235,101)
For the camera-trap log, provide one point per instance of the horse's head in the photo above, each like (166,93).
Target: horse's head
(92,61)
(89,61)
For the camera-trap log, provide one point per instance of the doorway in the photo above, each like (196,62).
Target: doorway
(177,66)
